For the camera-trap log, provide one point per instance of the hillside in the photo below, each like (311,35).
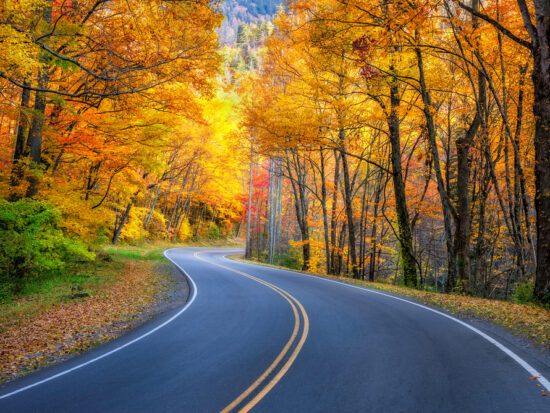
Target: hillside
(238,12)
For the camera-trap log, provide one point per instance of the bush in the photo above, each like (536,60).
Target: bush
(31,243)
(524,292)
(213,232)
(292,258)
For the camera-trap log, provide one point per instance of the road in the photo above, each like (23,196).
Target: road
(267,340)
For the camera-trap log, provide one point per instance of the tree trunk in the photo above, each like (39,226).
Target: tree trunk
(333,221)
(373,235)
(248,250)
(348,199)
(119,225)
(463,145)
(325,212)
(405,241)
(443,195)
(20,137)
(301,204)
(23,122)
(541,110)
(34,141)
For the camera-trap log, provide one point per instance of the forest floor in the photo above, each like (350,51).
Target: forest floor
(64,315)
(528,321)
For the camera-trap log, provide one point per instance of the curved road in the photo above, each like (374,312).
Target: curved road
(267,340)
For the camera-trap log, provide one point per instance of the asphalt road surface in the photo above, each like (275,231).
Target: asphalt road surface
(267,340)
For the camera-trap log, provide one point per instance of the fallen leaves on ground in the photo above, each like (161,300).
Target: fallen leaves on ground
(72,326)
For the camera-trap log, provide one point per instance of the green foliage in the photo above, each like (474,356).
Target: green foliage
(291,259)
(524,292)
(213,232)
(31,243)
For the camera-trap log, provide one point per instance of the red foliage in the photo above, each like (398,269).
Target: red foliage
(368,72)
(363,47)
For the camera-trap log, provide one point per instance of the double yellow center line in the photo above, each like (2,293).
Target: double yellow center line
(275,369)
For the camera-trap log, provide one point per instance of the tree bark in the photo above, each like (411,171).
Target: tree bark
(248,250)
(119,225)
(300,204)
(443,195)
(405,241)
(348,199)
(333,221)
(325,212)
(541,110)
(20,138)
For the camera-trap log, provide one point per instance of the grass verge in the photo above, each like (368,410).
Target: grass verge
(48,323)
(527,320)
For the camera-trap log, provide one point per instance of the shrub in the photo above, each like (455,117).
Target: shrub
(292,258)
(524,292)
(213,232)
(31,243)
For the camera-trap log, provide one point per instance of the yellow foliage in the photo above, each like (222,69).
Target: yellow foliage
(133,230)
(157,225)
(186,231)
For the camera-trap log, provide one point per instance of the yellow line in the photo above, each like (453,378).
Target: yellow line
(285,368)
(283,352)
(277,360)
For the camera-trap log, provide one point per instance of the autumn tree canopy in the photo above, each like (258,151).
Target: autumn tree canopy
(400,141)
(412,140)
(113,111)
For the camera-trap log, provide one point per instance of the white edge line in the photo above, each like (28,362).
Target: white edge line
(55,376)
(526,366)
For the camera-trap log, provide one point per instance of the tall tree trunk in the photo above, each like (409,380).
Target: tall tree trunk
(23,122)
(541,110)
(34,141)
(373,235)
(463,217)
(405,241)
(443,195)
(362,224)
(333,221)
(119,223)
(153,205)
(519,176)
(20,137)
(273,203)
(300,203)
(348,199)
(248,250)
(325,212)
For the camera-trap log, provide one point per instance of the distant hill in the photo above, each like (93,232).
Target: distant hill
(238,12)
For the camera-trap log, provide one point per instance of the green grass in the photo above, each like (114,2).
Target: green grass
(135,253)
